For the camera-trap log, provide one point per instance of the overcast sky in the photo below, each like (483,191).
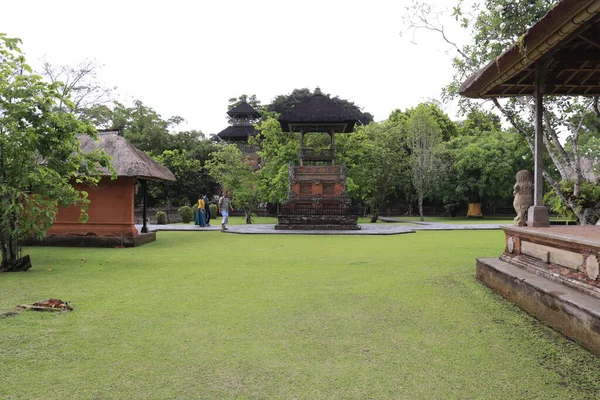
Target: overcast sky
(188,58)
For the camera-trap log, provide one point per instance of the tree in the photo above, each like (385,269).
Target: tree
(143,126)
(229,168)
(377,162)
(244,98)
(496,25)
(283,103)
(481,168)
(277,150)
(424,134)
(39,155)
(79,83)
(189,184)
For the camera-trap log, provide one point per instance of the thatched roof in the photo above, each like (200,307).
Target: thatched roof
(126,159)
(318,113)
(568,36)
(243,110)
(237,133)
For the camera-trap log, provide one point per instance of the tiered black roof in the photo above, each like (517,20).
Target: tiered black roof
(242,116)
(237,133)
(316,112)
(243,110)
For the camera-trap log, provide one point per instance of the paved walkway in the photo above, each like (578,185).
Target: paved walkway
(366,229)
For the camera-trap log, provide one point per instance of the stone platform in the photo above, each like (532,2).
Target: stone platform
(552,273)
(92,241)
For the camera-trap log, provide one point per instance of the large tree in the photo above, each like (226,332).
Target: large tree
(235,175)
(283,103)
(424,135)
(81,84)
(277,150)
(377,162)
(496,25)
(39,155)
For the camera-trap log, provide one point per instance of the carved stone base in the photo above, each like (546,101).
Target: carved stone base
(537,216)
(317,222)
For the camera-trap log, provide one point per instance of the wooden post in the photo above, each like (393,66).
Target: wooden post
(332,133)
(301,146)
(537,215)
(144,206)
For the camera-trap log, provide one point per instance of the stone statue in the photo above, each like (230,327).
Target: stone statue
(523,192)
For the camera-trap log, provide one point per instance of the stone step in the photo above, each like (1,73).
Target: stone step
(571,312)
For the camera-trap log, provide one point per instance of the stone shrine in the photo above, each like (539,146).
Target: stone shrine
(317,194)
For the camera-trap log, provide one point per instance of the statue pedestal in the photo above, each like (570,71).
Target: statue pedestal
(537,216)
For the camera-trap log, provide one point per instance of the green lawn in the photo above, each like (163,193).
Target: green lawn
(216,316)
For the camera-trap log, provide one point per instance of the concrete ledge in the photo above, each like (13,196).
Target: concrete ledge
(92,241)
(571,312)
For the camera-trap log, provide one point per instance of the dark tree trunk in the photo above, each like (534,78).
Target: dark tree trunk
(11,252)
(248,214)
(375,215)
(421,207)
(16,265)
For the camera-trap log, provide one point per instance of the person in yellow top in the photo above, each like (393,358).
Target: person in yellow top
(200,212)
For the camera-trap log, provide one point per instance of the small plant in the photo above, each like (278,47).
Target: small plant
(213,210)
(186,214)
(161,218)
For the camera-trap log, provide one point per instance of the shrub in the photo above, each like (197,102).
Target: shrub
(213,210)
(186,214)
(161,218)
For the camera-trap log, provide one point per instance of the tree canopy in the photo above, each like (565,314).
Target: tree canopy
(39,154)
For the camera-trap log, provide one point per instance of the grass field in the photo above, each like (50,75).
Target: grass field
(215,316)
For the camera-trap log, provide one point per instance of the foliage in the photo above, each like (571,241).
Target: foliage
(277,150)
(39,153)
(186,214)
(482,168)
(478,122)
(143,126)
(587,201)
(190,182)
(214,210)
(377,162)
(230,169)
(496,25)
(80,83)
(161,218)
(424,135)
(283,103)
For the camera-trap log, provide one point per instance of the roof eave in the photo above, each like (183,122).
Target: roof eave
(542,37)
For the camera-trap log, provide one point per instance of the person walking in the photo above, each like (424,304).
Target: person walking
(207,209)
(224,207)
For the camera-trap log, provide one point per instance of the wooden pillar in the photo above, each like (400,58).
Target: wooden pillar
(332,133)
(144,205)
(301,145)
(538,214)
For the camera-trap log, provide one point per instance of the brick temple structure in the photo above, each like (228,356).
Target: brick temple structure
(111,208)
(317,195)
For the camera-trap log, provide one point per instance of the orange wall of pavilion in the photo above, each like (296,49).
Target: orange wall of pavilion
(111,211)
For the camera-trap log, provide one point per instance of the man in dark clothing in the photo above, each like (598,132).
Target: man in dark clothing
(207,208)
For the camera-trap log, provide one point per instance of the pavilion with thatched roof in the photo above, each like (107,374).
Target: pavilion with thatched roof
(551,272)
(111,209)
(317,196)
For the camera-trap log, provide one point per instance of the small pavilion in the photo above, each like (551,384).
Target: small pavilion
(552,272)
(317,195)
(111,209)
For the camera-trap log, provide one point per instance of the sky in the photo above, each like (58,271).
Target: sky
(188,58)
